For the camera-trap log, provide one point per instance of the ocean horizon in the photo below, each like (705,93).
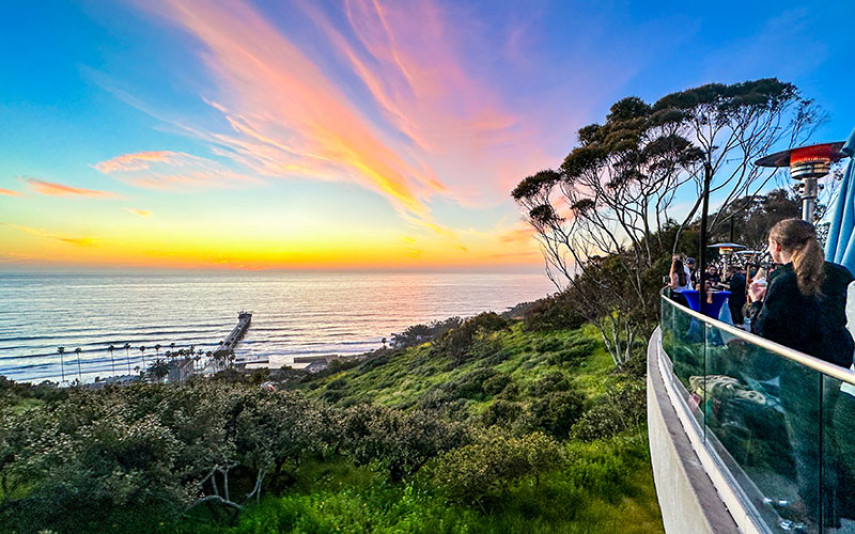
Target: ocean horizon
(295,313)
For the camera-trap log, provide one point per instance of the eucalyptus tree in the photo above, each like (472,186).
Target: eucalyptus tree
(610,215)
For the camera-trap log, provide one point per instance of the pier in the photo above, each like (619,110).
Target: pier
(228,344)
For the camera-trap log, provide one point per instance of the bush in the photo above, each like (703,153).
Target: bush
(552,313)
(470,385)
(399,442)
(474,472)
(496,384)
(574,354)
(621,409)
(420,333)
(548,345)
(457,343)
(556,413)
(502,413)
(554,381)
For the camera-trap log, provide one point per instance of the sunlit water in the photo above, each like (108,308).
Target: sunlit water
(294,314)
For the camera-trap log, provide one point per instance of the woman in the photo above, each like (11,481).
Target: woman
(802,306)
(678,279)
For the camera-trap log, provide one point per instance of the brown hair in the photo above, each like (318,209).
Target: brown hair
(798,238)
(677,267)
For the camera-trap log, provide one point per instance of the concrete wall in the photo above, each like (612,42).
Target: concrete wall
(687,496)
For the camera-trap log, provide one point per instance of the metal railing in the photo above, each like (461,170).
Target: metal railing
(780,422)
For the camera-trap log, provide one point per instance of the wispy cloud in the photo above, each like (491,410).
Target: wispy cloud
(139,212)
(136,162)
(80,241)
(10,193)
(412,59)
(60,190)
(172,171)
(286,117)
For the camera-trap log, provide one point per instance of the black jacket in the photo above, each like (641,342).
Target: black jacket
(813,325)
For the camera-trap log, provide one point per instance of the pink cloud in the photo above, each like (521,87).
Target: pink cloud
(171,171)
(10,193)
(135,162)
(286,116)
(412,59)
(60,190)
(139,212)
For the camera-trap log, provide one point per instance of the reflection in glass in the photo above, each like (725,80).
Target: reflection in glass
(785,432)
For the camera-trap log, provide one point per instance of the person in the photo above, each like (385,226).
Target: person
(678,279)
(689,266)
(712,274)
(802,305)
(738,296)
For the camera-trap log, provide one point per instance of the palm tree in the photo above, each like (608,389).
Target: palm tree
(77,350)
(142,355)
(159,369)
(157,350)
(61,351)
(172,346)
(127,348)
(111,348)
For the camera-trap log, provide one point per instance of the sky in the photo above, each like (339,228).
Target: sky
(348,134)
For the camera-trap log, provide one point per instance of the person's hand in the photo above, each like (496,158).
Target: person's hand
(756,291)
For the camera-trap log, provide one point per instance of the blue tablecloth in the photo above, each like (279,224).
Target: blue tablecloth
(711,310)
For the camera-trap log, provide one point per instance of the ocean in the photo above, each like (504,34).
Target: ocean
(294,314)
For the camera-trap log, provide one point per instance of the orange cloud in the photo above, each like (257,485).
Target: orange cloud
(521,234)
(135,162)
(60,190)
(10,193)
(83,241)
(139,212)
(411,58)
(287,117)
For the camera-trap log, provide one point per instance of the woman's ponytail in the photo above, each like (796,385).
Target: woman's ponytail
(799,239)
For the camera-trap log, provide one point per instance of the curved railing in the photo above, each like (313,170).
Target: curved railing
(779,424)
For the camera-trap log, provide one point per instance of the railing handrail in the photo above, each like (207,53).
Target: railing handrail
(830,369)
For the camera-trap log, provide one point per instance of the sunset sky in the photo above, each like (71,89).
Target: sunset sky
(344,134)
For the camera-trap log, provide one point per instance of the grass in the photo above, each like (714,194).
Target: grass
(608,488)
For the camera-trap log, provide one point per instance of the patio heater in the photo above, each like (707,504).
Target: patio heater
(807,164)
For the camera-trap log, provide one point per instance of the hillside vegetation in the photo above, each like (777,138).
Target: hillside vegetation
(489,427)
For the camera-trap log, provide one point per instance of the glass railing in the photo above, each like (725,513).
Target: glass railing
(780,422)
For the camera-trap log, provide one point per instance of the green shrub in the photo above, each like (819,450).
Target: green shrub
(552,313)
(496,384)
(458,342)
(502,413)
(554,381)
(400,442)
(574,354)
(471,473)
(621,409)
(556,412)
(548,345)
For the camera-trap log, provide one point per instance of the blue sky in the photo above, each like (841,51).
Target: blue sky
(175,133)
